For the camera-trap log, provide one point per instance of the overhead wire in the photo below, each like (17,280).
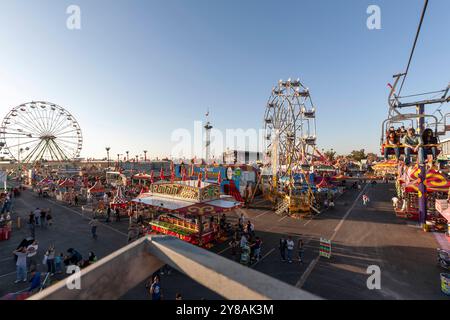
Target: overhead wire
(414,45)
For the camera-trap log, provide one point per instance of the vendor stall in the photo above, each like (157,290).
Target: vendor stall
(119,201)
(190,209)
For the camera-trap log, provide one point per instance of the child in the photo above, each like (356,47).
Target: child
(58,263)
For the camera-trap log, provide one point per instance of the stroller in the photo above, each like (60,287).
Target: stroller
(443,259)
(245,255)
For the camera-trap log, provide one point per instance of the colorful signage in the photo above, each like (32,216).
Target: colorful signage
(186,192)
(325,248)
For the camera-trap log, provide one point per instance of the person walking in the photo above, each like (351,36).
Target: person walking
(76,200)
(300,250)
(21,264)
(290,248)
(155,289)
(282,247)
(94,224)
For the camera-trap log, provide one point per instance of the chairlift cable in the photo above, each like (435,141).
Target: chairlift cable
(421,94)
(414,45)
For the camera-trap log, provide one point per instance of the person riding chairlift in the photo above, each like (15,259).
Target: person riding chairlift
(429,143)
(392,141)
(412,143)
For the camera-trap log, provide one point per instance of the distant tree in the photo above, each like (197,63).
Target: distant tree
(371,157)
(330,155)
(357,155)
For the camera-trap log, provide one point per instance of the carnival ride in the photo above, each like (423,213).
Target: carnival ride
(412,113)
(37,131)
(290,136)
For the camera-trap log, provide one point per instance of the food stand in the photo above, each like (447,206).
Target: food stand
(186,209)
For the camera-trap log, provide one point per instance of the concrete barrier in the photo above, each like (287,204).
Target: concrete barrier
(116,274)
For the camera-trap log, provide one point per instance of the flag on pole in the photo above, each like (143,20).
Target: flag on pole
(199,181)
(183,174)
(161,174)
(219,178)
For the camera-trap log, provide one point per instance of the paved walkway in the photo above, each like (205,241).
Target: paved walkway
(361,236)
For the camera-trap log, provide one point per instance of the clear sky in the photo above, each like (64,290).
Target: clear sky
(139,69)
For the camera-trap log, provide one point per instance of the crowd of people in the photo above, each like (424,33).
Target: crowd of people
(424,144)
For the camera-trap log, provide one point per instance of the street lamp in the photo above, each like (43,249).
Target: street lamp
(145,155)
(107,154)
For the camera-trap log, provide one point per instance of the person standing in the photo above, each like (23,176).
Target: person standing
(234,246)
(108,214)
(49,219)
(117,215)
(37,216)
(94,224)
(243,241)
(365,199)
(282,247)
(300,250)
(257,248)
(35,281)
(290,248)
(76,200)
(92,257)
(21,264)
(155,289)
(395,201)
(32,225)
(50,257)
(58,263)
(43,218)
(32,250)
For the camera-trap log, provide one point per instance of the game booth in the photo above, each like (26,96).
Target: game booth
(437,187)
(119,201)
(188,210)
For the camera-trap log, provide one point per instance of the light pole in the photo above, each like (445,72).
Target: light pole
(118,160)
(107,154)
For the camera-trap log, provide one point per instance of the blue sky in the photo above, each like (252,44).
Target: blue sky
(139,69)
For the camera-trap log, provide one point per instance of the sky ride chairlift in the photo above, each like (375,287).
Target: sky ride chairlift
(438,126)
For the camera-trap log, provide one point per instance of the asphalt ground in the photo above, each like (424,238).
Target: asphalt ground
(361,236)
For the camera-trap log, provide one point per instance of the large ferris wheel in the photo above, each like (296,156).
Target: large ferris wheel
(290,128)
(37,131)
